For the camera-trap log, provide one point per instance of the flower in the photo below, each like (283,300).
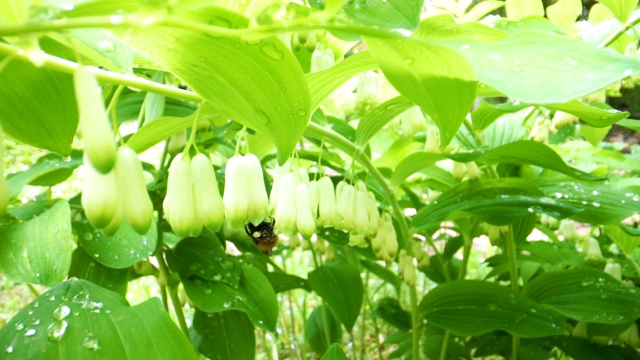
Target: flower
(179,203)
(100,198)
(137,206)
(208,202)
(245,196)
(327,211)
(305,223)
(285,214)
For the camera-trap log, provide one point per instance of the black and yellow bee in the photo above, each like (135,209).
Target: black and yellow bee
(263,235)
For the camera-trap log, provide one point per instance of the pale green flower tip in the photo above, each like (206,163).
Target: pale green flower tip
(285,215)
(304,220)
(592,250)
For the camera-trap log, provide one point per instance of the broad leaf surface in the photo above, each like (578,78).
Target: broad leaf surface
(323,83)
(49,170)
(39,250)
(339,284)
(586,294)
(437,79)
(626,242)
(374,120)
(80,320)
(254,296)
(546,66)
(258,83)
(600,203)
(38,106)
(315,333)
(622,9)
(496,201)
(84,266)
(387,14)
(225,335)
(284,282)
(334,352)
(472,307)
(121,250)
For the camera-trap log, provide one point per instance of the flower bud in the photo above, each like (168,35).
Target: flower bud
(568,230)
(93,121)
(275,187)
(372,212)
(580,330)
(368,91)
(117,220)
(540,131)
(327,212)
(433,140)
(472,170)
(256,192)
(385,243)
(346,199)
(208,202)
(285,215)
(320,246)
(361,219)
(314,198)
(458,171)
(591,249)
(614,269)
(304,220)
(235,197)
(561,119)
(137,206)
(406,268)
(321,59)
(179,203)
(548,221)
(412,121)
(422,256)
(357,240)
(100,198)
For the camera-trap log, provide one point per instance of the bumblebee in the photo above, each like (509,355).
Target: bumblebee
(263,235)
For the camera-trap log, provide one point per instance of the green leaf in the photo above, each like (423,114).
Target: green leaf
(586,349)
(315,333)
(564,13)
(485,114)
(412,164)
(254,296)
(630,124)
(625,241)
(334,352)
(597,115)
(389,310)
(49,170)
(80,320)
(382,272)
(446,27)
(323,83)
(438,80)
(257,83)
(586,294)
(39,250)
(546,66)
(84,266)
(473,307)
(125,248)
(600,203)
(225,335)
(496,201)
(386,14)
(100,47)
(374,120)
(482,9)
(518,9)
(622,9)
(38,106)
(594,135)
(339,284)
(284,282)
(533,153)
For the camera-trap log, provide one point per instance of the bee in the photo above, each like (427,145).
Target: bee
(263,235)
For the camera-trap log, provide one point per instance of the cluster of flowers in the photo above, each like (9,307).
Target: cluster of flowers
(109,170)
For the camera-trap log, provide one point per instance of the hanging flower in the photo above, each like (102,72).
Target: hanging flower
(285,215)
(245,196)
(305,223)
(327,208)
(100,198)
(137,206)
(208,202)
(179,203)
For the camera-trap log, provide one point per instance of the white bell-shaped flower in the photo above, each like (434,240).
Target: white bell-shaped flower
(178,204)
(285,214)
(137,206)
(305,223)
(208,202)
(256,192)
(327,207)
(100,197)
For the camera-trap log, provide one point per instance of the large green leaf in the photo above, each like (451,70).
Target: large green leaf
(323,83)
(38,106)
(437,79)
(387,14)
(334,352)
(545,65)
(625,241)
(374,120)
(315,333)
(622,9)
(586,294)
(49,170)
(496,201)
(597,115)
(225,335)
(84,266)
(600,203)
(472,307)
(339,284)
(413,163)
(38,250)
(121,250)
(254,296)
(80,320)
(257,83)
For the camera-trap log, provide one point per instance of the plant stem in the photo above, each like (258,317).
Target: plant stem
(633,262)
(69,67)
(613,37)
(445,345)
(513,271)
(416,323)
(173,293)
(33,290)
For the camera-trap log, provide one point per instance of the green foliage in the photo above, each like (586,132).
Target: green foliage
(472,145)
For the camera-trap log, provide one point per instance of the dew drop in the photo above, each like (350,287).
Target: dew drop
(61,312)
(30,332)
(19,326)
(226,305)
(90,342)
(409,60)
(56,330)
(8,349)
(301,112)
(207,291)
